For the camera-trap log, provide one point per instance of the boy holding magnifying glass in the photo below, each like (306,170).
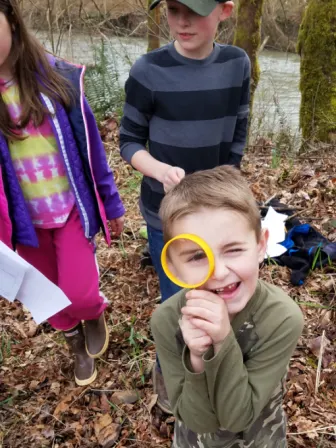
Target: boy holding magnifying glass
(225,346)
(189,101)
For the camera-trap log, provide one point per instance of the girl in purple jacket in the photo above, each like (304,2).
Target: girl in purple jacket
(56,189)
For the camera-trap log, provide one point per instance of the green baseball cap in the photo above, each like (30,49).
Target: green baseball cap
(201,7)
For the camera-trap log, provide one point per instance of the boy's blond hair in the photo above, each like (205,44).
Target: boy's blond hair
(222,187)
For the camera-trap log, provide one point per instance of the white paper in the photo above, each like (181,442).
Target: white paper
(11,277)
(275,223)
(42,298)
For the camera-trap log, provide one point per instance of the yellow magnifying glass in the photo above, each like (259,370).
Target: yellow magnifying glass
(188,261)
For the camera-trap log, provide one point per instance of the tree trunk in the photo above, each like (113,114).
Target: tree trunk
(247,36)
(317,48)
(153,26)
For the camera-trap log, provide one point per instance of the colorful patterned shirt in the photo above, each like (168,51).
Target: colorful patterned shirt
(39,167)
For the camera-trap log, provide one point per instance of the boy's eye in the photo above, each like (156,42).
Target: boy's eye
(200,255)
(235,250)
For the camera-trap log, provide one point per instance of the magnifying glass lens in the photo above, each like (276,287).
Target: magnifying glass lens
(187,261)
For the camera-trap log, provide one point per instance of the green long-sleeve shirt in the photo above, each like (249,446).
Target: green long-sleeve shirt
(237,401)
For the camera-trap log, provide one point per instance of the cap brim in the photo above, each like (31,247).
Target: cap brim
(154,4)
(200,9)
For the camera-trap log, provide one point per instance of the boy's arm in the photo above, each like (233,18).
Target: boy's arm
(240,134)
(148,166)
(134,130)
(187,391)
(102,173)
(239,391)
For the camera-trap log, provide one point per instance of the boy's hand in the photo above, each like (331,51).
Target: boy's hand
(197,340)
(117,226)
(172,177)
(208,313)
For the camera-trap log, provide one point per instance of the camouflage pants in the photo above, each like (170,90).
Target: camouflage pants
(269,436)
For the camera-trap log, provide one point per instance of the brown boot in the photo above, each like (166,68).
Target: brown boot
(96,336)
(85,371)
(159,388)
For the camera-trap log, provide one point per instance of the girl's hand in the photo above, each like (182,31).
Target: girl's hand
(172,177)
(208,313)
(117,226)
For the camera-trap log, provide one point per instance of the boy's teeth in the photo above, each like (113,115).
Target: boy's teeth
(227,288)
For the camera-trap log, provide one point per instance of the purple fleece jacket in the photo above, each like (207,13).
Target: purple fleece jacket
(90,177)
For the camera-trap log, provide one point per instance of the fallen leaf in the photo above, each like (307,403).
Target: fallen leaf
(63,405)
(49,433)
(33,384)
(104,403)
(32,329)
(326,320)
(305,425)
(303,195)
(20,330)
(55,388)
(315,345)
(108,437)
(309,172)
(102,423)
(111,124)
(127,397)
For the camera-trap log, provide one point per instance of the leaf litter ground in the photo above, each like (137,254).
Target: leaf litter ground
(41,407)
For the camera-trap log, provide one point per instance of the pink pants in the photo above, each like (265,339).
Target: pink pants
(67,259)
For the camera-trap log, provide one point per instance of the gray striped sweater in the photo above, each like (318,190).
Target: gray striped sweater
(191,113)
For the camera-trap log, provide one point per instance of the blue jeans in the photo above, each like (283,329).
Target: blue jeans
(155,241)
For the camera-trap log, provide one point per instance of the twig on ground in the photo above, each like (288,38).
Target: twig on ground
(319,365)
(313,430)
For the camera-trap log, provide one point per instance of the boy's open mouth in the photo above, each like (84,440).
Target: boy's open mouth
(229,289)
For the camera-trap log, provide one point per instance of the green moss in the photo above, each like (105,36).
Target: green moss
(317,47)
(247,36)
(153,28)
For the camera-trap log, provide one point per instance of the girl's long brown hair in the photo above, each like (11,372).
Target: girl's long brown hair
(33,74)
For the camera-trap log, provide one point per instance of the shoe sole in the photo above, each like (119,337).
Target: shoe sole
(103,350)
(163,408)
(88,380)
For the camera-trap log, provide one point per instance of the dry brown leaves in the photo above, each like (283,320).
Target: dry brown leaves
(308,185)
(39,403)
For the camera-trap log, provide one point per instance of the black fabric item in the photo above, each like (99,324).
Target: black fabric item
(311,250)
